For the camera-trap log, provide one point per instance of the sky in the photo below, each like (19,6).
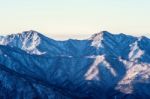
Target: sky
(62,19)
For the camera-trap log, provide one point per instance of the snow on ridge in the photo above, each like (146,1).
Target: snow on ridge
(126,84)
(135,52)
(97,40)
(3,41)
(134,70)
(93,72)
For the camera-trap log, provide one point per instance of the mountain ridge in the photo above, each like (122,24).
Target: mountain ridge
(101,32)
(104,66)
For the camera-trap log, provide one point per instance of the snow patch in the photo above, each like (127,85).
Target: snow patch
(135,52)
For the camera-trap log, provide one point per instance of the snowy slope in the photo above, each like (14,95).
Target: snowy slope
(103,66)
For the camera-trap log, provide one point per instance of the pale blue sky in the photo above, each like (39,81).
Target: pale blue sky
(72,18)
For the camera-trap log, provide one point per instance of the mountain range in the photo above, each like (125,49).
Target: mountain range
(103,66)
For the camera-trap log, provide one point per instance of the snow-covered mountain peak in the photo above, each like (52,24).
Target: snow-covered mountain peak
(99,35)
(31,41)
(97,39)
(27,41)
